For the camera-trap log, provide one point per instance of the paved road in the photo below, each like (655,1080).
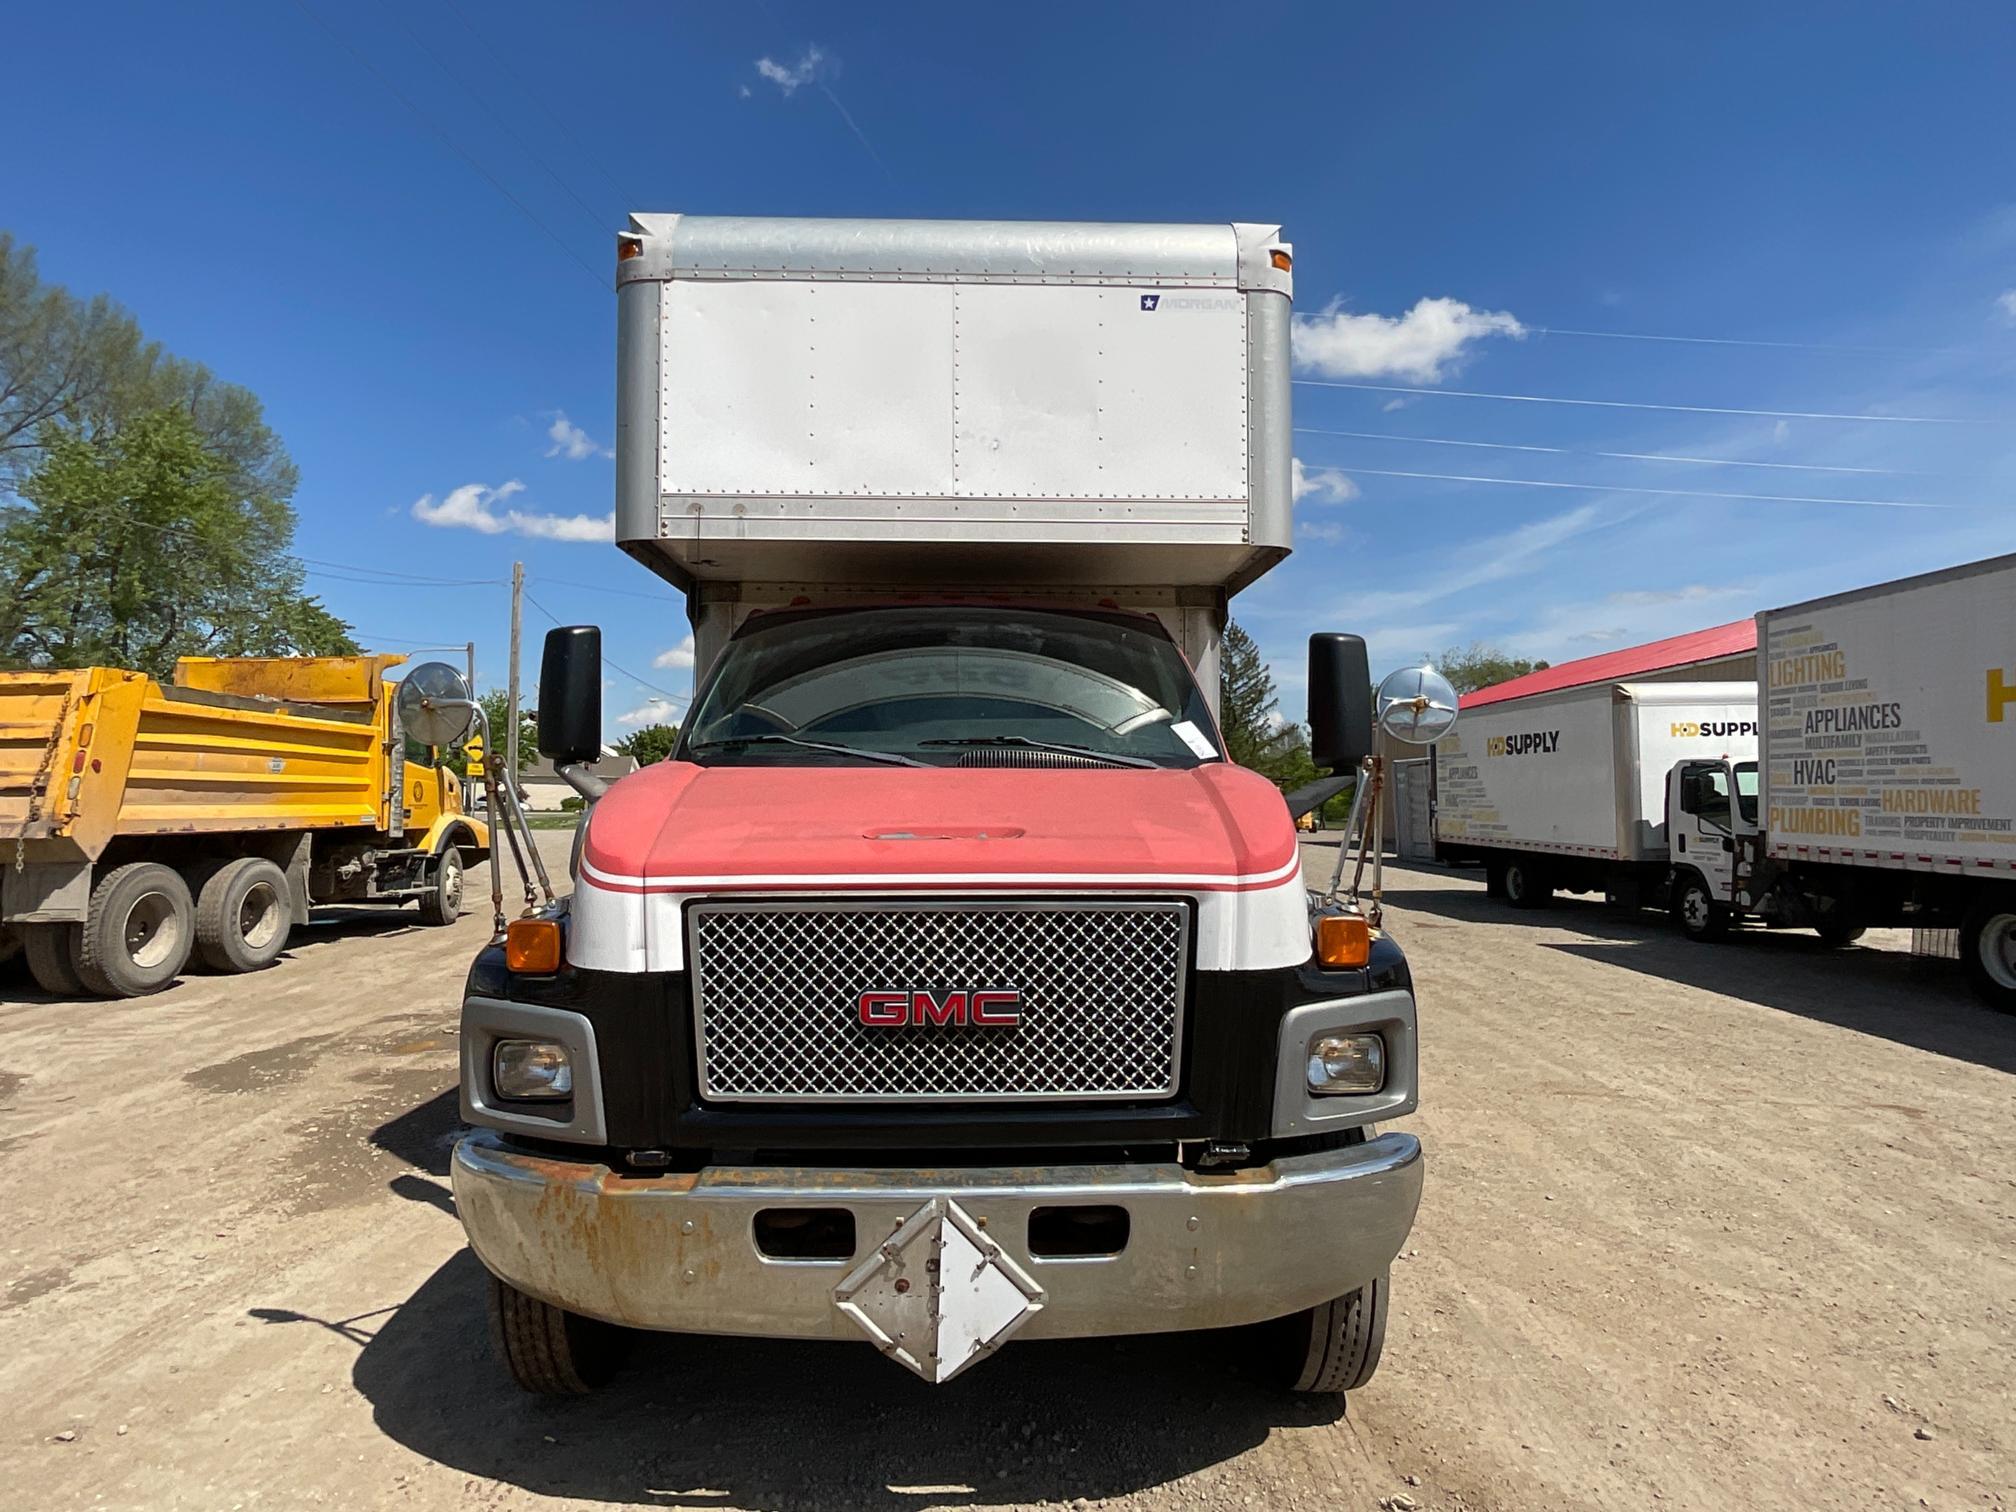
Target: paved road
(1704,1227)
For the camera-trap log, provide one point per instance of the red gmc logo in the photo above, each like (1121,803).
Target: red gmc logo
(984,1010)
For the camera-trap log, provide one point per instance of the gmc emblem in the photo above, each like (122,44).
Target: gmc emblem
(983,1010)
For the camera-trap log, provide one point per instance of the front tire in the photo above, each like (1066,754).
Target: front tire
(1697,913)
(243,915)
(139,931)
(1988,951)
(442,902)
(548,1350)
(1331,1348)
(52,958)
(1524,887)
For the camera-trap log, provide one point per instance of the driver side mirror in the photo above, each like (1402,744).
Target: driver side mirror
(1340,701)
(570,695)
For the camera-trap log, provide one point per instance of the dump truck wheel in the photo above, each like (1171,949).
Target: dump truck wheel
(1331,1348)
(1524,887)
(442,902)
(547,1349)
(139,932)
(1987,951)
(52,958)
(243,915)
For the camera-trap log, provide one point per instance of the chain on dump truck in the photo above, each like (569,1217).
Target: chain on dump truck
(144,824)
(947,984)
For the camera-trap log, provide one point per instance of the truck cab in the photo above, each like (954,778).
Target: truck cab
(947,984)
(1711,828)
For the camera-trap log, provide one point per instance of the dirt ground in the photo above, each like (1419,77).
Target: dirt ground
(1705,1227)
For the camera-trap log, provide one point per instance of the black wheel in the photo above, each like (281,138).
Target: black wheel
(1525,887)
(1331,1348)
(243,915)
(1494,879)
(52,958)
(1840,932)
(1988,950)
(1697,913)
(547,1349)
(139,932)
(10,944)
(442,902)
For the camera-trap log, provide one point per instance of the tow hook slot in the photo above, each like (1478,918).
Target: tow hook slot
(805,1234)
(1085,1231)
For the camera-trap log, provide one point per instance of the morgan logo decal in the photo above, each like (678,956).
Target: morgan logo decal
(1150,301)
(983,1010)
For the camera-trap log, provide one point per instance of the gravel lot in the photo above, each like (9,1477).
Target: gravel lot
(1705,1227)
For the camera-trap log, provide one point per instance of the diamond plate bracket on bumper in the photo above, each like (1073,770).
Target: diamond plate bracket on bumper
(939,1294)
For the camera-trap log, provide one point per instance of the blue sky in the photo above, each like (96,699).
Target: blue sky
(319,203)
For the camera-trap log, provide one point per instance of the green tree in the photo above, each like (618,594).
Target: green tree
(1481,666)
(497,710)
(651,744)
(148,541)
(1249,713)
(71,366)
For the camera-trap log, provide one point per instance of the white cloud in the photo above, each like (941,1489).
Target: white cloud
(1781,432)
(679,656)
(2006,303)
(1692,593)
(1326,485)
(473,506)
(1420,346)
(1601,637)
(570,441)
(1327,531)
(809,67)
(651,711)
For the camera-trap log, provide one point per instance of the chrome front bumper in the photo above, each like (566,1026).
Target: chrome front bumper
(678,1252)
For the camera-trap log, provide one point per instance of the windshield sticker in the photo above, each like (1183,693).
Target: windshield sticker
(1191,736)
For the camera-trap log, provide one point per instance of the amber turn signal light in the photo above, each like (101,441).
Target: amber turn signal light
(1343,940)
(629,246)
(532,946)
(1281,260)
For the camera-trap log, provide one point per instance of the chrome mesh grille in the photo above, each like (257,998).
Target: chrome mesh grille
(776,990)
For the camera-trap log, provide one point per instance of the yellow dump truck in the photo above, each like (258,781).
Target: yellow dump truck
(144,822)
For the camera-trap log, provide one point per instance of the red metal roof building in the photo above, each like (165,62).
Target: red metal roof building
(1736,639)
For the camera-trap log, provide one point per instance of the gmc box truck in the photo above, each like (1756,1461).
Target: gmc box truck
(1568,790)
(947,983)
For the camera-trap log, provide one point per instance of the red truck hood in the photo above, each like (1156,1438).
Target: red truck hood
(676,827)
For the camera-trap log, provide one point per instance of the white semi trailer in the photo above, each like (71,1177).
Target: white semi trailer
(1567,790)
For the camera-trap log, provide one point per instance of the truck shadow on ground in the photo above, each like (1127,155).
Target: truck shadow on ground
(791,1425)
(1879,992)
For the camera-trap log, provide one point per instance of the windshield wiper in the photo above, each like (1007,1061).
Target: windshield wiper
(1112,757)
(737,742)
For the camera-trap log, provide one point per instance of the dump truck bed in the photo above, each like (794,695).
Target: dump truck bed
(97,752)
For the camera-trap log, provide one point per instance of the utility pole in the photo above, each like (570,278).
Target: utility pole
(511,728)
(472,668)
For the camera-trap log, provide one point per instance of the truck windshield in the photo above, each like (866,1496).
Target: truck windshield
(951,686)
(1746,790)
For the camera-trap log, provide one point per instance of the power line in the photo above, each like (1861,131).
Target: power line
(1737,341)
(601,226)
(1572,451)
(1686,409)
(449,142)
(558,123)
(656,598)
(1608,488)
(618,666)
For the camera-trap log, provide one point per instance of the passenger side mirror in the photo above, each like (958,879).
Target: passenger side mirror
(570,695)
(1340,701)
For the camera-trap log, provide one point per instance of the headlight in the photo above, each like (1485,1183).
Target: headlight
(524,1069)
(1341,1064)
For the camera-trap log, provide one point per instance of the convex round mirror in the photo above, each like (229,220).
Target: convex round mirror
(1417,705)
(422,694)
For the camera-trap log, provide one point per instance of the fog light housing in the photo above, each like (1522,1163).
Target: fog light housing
(1345,1065)
(525,1070)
